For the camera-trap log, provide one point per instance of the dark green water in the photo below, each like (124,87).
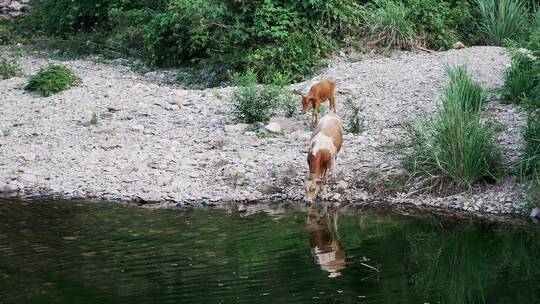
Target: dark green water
(69,252)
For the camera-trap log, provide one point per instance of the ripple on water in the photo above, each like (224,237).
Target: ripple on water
(102,253)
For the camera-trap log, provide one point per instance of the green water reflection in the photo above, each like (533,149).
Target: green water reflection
(68,252)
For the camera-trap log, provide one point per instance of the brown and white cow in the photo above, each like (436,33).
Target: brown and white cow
(323,148)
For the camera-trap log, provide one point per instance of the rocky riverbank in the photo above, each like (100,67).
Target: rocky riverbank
(11,9)
(162,145)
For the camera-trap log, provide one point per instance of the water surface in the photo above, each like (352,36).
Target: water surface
(72,252)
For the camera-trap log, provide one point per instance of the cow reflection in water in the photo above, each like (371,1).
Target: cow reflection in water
(323,238)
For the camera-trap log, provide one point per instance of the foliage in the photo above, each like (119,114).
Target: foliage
(253,103)
(355,121)
(455,147)
(529,167)
(522,85)
(408,23)
(280,40)
(6,33)
(438,22)
(535,21)
(9,68)
(51,80)
(502,19)
(94,120)
(522,79)
(386,20)
(465,90)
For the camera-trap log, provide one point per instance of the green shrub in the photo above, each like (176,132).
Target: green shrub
(253,103)
(386,20)
(529,167)
(9,68)
(522,79)
(6,34)
(408,23)
(439,22)
(455,146)
(94,119)
(535,23)
(51,80)
(502,19)
(281,40)
(465,90)
(356,125)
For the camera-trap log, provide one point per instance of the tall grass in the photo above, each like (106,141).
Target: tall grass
(455,147)
(522,85)
(461,87)
(535,21)
(522,79)
(502,19)
(386,21)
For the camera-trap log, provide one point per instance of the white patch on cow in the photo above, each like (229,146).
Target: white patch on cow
(327,118)
(322,142)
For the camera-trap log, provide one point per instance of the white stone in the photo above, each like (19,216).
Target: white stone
(137,128)
(273,127)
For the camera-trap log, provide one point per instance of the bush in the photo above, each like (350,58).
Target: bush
(404,24)
(455,147)
(253,103)
(94,119)
(502,19)
(51,80)
(438,22)
(522,80)
(280,40)
(9,68)
(535,22)
(529,167)
(356,124)
(386,21)
(465,90)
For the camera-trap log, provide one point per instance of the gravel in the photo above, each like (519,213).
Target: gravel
(157,142)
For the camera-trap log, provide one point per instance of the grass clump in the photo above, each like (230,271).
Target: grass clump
(406,25)
(522,86)
(455,147)
(529,167)
(502,19)
(386,22)
(522,79)
(94,119)
(356,124)
(253,103)
(51,80)
(9,69)
(466,91)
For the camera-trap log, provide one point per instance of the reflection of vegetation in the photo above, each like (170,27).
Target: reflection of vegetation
(66,253)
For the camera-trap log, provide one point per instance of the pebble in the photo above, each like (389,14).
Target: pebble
(342,186)
(137,128)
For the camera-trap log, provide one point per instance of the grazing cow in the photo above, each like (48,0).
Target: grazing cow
(325,245)
(323,147)
(320,92)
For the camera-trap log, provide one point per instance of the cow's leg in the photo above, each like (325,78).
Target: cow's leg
(334,169)
(325,187)
(315,114)
(332,102)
